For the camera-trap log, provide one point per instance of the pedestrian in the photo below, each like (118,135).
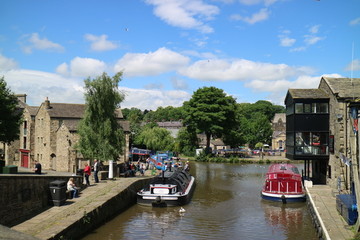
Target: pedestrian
(87,172)
(142,169)
(37,167)
(96,171)
(187,166)
(72,187)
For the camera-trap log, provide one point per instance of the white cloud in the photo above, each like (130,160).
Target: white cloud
(40,44)
(7,63)
(241,70)
(152,99)
(63,69)
(144,64)
(262,15)
(39,85)
(100,43)
(82,67)
(314,29)
(277,89)
(353,66)
(287,42)
(311,40)
(188,14)
(355,21)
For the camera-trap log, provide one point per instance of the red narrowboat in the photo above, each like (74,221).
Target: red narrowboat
(283,183)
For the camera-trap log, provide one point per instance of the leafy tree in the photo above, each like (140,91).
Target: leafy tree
(256,129)
(186,142)
(134,116)
(155,138)
(10,114)
(101,136)
(210,111)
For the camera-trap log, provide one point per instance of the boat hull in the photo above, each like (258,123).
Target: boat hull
(285,198)
(167,200)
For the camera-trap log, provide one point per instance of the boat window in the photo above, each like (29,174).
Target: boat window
(282,168)
(295,170)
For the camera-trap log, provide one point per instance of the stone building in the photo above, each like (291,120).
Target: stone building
(172,126)
(279,131)
(322,130)
(18,152)
(49,134)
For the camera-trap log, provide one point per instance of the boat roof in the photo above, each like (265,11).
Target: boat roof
(283,168)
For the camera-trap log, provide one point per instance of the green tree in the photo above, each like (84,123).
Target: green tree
(134,116)
(256,129)
(212,112)
(186,142)
(155,138)
(10,114)
(101,136)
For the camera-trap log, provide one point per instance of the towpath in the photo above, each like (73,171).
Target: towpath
(54,222)
(333,224)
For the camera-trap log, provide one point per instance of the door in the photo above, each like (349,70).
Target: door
(25,160)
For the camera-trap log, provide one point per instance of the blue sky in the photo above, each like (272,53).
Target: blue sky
(167,49)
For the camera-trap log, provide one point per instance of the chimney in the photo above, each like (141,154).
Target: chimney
(47,103)
(21,97)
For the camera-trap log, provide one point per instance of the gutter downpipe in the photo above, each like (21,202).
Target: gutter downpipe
(327,237)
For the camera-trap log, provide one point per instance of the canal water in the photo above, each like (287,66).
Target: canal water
(226,205)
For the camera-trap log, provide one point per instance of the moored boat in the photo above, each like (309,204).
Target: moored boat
(283,183)
(170,188)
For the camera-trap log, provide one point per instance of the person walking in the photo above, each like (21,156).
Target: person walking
(87,172)
(96,171)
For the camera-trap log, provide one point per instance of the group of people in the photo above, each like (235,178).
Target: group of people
(87,172)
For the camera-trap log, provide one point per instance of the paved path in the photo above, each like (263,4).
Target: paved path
(325,203)
(56,219)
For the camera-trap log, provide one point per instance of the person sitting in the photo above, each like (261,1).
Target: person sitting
(72,188)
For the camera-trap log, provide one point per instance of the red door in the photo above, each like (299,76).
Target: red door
(25,159)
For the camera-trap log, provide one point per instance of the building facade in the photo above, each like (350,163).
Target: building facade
(279,131)
(49,135)
(321,130)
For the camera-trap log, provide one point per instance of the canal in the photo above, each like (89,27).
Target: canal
(226,205)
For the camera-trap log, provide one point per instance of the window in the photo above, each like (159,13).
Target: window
(298,108)
(24,143)
(307,108)
(311,108)
(324,107)
(25,128)
(313,143)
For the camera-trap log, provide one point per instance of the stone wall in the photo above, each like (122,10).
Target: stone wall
(26,195)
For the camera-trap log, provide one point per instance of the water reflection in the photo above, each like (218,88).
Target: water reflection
(226,205)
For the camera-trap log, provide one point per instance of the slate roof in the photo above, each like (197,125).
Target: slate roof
(69,110)
(66,110)
(308,93)
(170,124)
(344,87)
(32,110)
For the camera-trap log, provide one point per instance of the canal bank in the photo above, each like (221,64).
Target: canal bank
(79,216)
(326,219)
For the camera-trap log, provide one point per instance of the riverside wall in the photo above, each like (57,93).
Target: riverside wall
(23,196)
